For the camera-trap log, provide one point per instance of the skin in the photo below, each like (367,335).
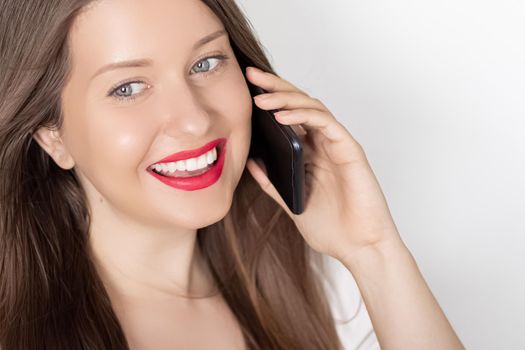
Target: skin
(347,217)
(143,232)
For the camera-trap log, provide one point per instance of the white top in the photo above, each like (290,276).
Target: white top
(352,320)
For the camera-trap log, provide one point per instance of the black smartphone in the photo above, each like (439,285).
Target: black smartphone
(279,147)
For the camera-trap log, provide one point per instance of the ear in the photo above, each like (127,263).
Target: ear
(50,141)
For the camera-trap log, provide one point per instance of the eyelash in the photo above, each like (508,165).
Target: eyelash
(222,58)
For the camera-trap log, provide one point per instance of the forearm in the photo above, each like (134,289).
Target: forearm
(403,311)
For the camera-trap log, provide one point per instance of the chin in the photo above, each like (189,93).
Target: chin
(197,217)
(218,214)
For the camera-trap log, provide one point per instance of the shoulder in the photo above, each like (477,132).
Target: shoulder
(351,317)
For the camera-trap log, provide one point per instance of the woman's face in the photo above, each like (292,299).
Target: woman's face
(119,121)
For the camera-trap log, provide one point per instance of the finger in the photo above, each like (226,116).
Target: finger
(288,100)
(298,129)
(269,81)
(261,178)
(313,120)
(341,142)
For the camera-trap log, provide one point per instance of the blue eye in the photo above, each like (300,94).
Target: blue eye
(204,63)
(124,91)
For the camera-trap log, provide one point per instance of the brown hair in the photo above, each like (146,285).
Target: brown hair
(51,296)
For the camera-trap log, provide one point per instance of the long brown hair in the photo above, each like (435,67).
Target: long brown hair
(51,296)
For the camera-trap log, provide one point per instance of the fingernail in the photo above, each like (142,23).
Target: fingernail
(255,69)
(282,113)
(262,97)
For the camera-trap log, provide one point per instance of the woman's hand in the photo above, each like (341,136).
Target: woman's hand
(345,209)
(346,214)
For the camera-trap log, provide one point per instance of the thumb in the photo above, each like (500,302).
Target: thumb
(259,173)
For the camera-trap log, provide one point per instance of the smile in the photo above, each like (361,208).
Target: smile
(192,170)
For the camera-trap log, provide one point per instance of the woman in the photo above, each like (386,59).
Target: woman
(105,245)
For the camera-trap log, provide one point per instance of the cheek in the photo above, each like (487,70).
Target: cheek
(236,102)
(112,143)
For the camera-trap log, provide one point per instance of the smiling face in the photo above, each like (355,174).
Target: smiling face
(120,121)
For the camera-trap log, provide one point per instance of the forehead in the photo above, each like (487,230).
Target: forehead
(113,30)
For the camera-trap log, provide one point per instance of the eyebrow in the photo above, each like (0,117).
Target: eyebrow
(148,62)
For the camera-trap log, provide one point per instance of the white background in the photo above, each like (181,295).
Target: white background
(434,91)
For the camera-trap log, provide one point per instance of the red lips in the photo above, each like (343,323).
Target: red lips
(192,153)
(201,181)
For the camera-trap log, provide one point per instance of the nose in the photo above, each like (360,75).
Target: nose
(185,114)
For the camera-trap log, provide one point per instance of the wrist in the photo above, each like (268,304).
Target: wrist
(375,255)
(403,310)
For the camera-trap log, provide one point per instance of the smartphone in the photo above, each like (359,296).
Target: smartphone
(281,151)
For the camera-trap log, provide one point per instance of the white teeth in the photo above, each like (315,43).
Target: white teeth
(209,157)
(201,162)
(191,164)
(181,165)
